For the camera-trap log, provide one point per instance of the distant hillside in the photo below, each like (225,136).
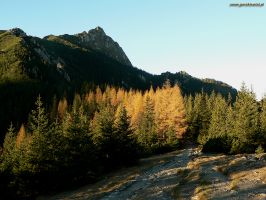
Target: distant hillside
(63,65)
(192,85)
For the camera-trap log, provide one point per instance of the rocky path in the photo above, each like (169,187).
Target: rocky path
(184,174)
(154,183)
(154,178)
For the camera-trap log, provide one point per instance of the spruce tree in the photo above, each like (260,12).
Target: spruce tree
(53,109)
(38,120)
(229,124)
(147,135)
(217,126)
(7,157)
(102,132)
(38,128)
(216,138)
(189,108)
(262,135)
(77,144)
(206,112)
(200,118)
(56,153)
(125,144)
(245,129)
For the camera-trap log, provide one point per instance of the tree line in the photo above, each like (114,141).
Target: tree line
(97,132)
(220,125)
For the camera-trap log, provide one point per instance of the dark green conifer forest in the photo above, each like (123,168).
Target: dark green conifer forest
(220,125)
(75,142)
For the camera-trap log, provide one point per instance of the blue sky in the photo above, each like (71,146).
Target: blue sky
(205,38)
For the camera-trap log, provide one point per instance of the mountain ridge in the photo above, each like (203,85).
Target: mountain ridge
(47,54)
(60,66)
(97,40)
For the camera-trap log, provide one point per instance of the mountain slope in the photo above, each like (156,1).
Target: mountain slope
(69,60)
(63,65)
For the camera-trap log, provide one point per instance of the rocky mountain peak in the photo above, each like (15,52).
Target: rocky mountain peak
(184,74)
(97,39)
(98,30)
(18,32)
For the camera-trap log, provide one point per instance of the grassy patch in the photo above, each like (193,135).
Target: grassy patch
(202,193)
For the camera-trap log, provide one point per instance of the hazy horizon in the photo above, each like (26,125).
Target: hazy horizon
(206,39)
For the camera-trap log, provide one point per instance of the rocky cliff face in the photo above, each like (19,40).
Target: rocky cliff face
(96,39)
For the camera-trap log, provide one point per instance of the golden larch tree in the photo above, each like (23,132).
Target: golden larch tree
(21,135)
(62,107)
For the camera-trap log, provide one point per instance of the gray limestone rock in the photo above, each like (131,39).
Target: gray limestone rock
(97,39)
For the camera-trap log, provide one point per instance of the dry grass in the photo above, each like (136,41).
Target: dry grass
(234,184)
(243,170)
(261,156)
(263,175)
(203,196)
(202,193)
(116,184)
(221,169)
(193,165)
(238,161)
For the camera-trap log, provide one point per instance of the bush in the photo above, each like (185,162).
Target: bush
(259,150)
(217,145)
